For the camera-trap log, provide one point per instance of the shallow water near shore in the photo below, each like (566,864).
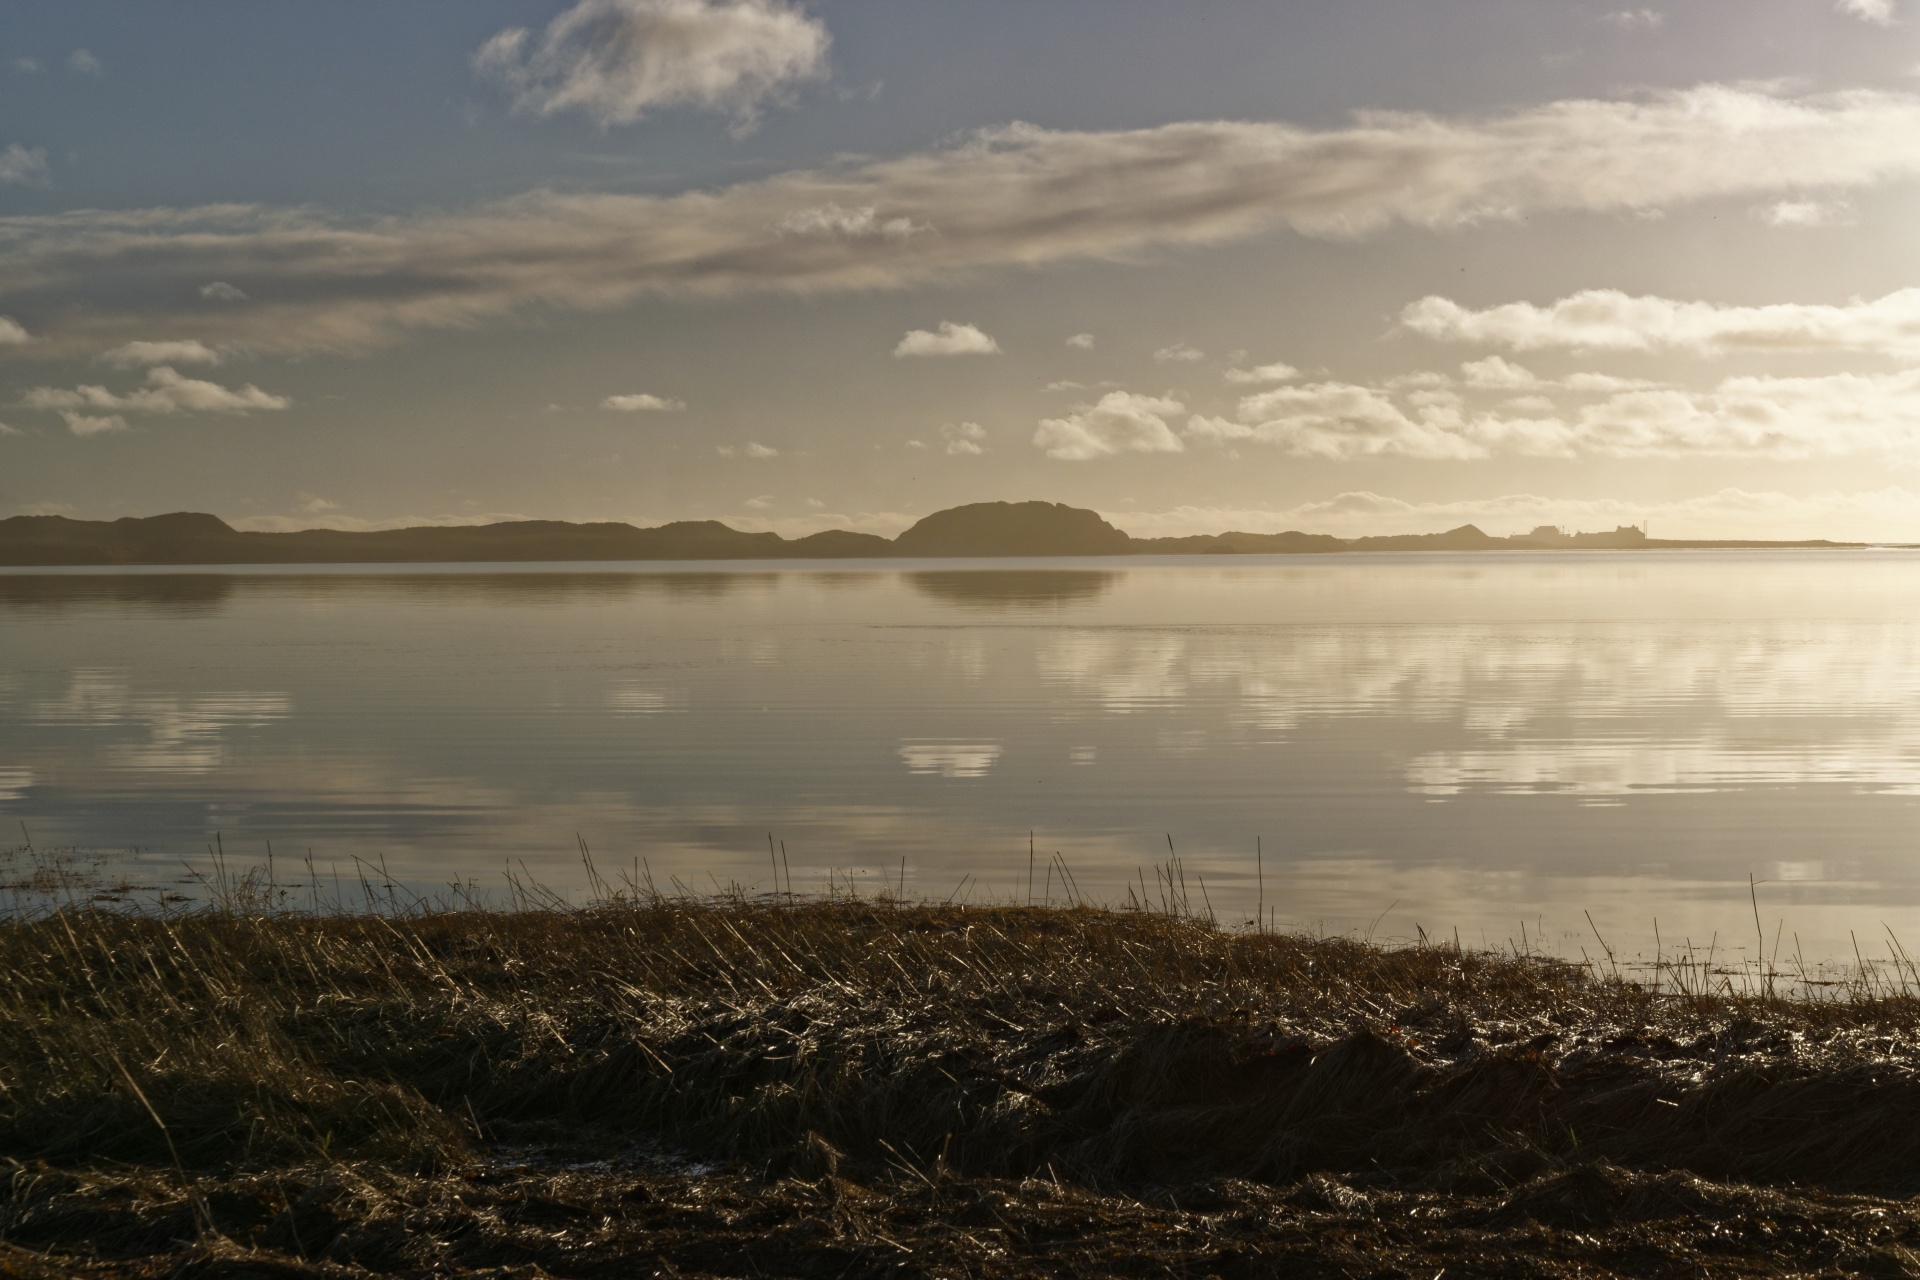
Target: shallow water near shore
(1494,744)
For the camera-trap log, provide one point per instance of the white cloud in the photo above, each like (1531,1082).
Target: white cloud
(1889,514)
(1796,214)
(82,424)
(748,450)
(6,430)
(314,504)
(28,168)
(1497,374)
(849,224)
(1011,196)
(1879,12)
(221,291)
(84,63)
(952,340)
(1122,422)
(964,437)
(1608,320)
(641,402)
(28,66)
(166,391)
(616,60)
(1635,19)
(1179,351)
(760,503)
(1276,372)
(1758,417)
(178,351)
(1342,420)
(1083,341)
(12,334)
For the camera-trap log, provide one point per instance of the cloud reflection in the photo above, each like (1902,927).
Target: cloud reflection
(183,733)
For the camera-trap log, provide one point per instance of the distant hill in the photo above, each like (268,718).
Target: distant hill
(1013,529)
(978,529)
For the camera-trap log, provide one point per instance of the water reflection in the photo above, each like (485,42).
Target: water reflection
(209,593)
(1478,741)
(1016,588)
(163,732)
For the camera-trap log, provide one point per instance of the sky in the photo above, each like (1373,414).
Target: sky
(1365,267)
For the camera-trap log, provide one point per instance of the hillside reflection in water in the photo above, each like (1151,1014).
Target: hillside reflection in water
(1453,740)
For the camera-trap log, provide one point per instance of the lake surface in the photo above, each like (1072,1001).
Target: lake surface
(1483,743)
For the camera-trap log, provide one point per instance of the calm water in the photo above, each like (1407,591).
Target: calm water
(1471,742)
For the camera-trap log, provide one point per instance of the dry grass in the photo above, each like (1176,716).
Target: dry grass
(181,1081)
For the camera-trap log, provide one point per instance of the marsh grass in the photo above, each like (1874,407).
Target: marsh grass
(1118,1052)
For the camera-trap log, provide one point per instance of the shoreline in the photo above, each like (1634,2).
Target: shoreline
(873,1087)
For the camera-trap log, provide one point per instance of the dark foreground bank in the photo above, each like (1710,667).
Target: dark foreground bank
(864,1089)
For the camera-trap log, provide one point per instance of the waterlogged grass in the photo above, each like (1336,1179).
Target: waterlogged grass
(732,1087)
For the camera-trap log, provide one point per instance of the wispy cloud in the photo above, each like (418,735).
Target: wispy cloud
(1838,415)
(26,167)
(642,402)
(166,391)
(615,61)
(749,450)
(1016,195)
(951,340)
(1635,19)
(1608,320)
(83,63)
(1122,422)
(1082,341)
(1806,213)
(964,437)
(177,351)
(1275,372)
(1179,351)
(1879,12)
(1889,513)
(12,334)
(83,424)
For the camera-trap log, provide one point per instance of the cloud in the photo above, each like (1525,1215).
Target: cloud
(1753,417)
(1794,214)
(1635,19)
(952,340)
(1017,195)
(760,503)
(178,351)
(1276,372)
(314,504)
(28,168)
(1179,351)
(11,334)
(1608,320)
(1889,514)
(964,437)
(1343,421)
(166,391)
(221,291)
(749,450)
(831,220)
(643,403)
(1082,341)
(6,430)
(84,63)
(614,61)
(1879,12)
(93,425)
(1122,422)
(28,66)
